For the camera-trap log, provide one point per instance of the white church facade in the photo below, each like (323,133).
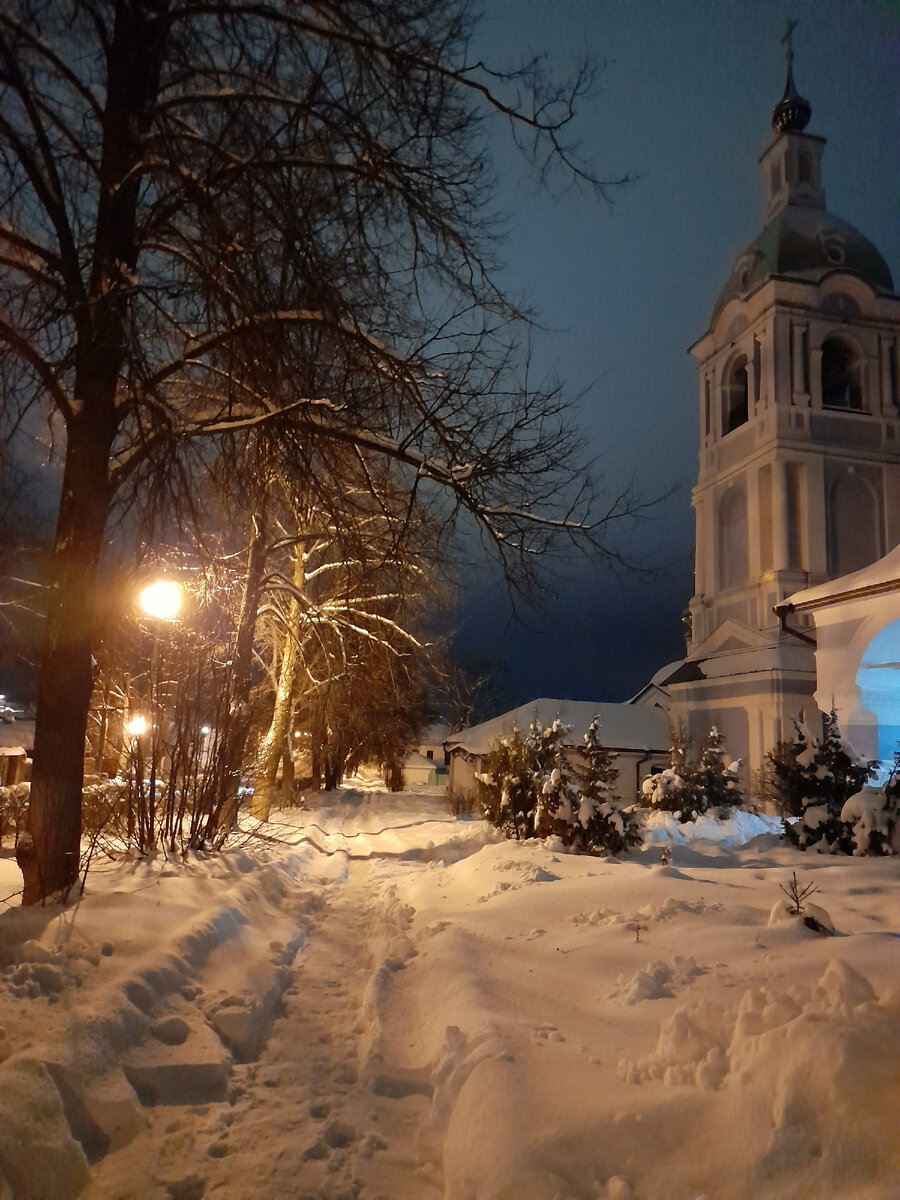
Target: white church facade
(799,472)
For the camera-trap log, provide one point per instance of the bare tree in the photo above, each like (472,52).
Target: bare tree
(197,196)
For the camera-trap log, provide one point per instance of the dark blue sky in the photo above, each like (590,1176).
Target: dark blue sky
(682,103)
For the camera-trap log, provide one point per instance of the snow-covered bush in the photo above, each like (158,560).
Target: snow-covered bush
(664,790)
(871,815)
(14,809)
(813,777)
(690,789)
(530,787)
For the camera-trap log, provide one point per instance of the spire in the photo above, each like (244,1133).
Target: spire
(791,112)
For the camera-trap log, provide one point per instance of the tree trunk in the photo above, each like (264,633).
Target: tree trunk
(393,775)
(234,740)
(273,743)
(48,856)
(334,768)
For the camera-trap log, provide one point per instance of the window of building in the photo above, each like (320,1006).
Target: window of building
(736,396)
(804,167)
(841,375)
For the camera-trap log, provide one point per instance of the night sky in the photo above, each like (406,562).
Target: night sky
(682,103)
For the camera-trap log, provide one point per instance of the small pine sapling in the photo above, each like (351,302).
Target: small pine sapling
(797,894)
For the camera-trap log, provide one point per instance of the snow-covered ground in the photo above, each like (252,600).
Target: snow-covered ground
(376,1000)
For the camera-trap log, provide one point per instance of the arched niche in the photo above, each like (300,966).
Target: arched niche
(853,525)
(733,546)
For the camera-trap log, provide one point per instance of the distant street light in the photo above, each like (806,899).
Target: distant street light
(162,599)
(137,726)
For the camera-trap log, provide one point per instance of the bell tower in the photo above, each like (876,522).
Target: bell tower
(799,471)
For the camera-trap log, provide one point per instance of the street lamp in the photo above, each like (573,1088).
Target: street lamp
(137,726)
(162,600)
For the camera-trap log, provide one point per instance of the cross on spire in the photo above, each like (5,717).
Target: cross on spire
(787,39)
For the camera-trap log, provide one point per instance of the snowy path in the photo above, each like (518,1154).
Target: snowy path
(340,1112)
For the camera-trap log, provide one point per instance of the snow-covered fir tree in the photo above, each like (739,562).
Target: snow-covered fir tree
(813,777)
(666,789)
(555,800)
(603,821)
(715,780)
(507,785)
(689,788)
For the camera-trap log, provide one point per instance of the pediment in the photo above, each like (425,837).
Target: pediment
(731,637)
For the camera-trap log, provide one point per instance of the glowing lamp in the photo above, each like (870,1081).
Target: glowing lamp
(162,599)
(137,726)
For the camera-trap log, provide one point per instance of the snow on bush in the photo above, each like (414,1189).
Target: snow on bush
(691,788)
(535,786)
(871,814)
(814,779)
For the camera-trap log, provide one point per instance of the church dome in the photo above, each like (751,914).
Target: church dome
(804,244)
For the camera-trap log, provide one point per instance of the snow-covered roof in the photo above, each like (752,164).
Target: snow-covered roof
(418,760)
(622,726)
(880,576)
(658,680)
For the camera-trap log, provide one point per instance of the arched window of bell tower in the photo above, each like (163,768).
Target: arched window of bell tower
(732,539)
(841,375)
(735,395)
(853,528)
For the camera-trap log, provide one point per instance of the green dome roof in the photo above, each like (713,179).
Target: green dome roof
(806,244)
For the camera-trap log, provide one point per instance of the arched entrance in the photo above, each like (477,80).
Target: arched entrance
(878,680)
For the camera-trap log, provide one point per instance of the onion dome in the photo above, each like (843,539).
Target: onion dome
(791,112)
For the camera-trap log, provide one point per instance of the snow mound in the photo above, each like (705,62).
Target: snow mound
(657,980)
(738,828)
(665,910)
(818,1055)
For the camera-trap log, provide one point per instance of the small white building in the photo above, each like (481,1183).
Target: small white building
(638,734)
(426,766)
